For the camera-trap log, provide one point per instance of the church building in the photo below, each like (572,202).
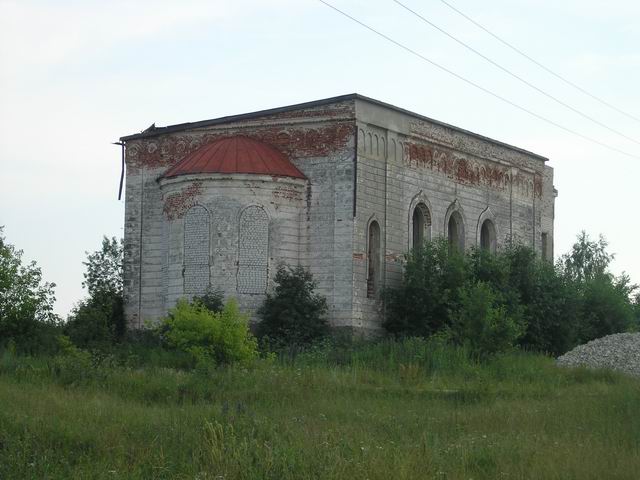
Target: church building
(344,186)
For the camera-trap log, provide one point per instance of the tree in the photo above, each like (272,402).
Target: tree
(99,319)
(605,300)
(294,315)
(26,302)
(104,268)
(606,308)
(588,258)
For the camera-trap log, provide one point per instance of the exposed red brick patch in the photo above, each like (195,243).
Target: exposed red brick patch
(177,204)
(295,142)
(287,193)
(420,155)
(469,171)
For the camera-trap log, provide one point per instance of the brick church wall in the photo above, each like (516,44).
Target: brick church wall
(364,162)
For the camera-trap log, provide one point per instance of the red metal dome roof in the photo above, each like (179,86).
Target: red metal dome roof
(238,154)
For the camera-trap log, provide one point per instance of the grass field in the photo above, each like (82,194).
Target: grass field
(379,411)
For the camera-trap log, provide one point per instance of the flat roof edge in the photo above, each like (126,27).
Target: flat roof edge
(453,127)
(234,118)
(316,103)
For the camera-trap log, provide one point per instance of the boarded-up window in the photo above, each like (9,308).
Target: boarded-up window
(253,250)
(373,254)
(196,251)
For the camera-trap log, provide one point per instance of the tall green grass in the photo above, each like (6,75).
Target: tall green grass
(411,409)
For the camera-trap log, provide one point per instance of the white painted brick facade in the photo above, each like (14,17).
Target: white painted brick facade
(363,160)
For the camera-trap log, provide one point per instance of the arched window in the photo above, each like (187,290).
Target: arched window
(373,255)
(196,251)
(488,236)
(420,225)
(455,231)
(253,250)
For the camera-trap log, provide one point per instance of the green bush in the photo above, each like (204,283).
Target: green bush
(483,321)
(98,321)
(549,299)
(558,306)
(212,300)
(294,315)
(551,311)
(72,365)
(429,290)
(210,337)
(605,308)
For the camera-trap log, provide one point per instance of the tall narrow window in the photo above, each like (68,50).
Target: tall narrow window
(373,255)
(455,231)
(421,225)
(196,251)
(253,250)
(545,246)
(488,236)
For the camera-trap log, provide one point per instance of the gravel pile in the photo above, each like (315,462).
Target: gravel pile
(618,352)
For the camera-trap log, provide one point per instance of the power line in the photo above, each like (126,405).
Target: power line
(479,87)
(545,68)
(516,76)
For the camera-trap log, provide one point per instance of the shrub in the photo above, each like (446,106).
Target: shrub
(210,337)
(498,271)
(483,322)
(551,308)
(605,307)
(72,365)
(494,269)
(429,290)
(548,298)
(212,300)
(559,306)
(97,321)
(294,315)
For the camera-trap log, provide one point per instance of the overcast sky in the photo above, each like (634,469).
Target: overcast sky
(77,75)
